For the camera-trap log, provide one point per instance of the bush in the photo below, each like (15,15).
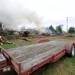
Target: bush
(71,30)
(26,34)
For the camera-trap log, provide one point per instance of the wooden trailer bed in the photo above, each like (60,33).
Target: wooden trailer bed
(32,55)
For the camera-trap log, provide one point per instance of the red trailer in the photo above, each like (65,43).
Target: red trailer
(26,59)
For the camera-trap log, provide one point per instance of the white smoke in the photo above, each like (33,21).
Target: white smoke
(13,15)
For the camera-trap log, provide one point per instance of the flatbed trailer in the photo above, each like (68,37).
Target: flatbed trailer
(27,59)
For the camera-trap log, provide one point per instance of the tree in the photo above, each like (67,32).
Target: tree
(52,29)
(59,29)
(1,30)
(26,33)
(71,30)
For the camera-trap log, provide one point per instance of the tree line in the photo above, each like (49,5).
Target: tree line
(59,29)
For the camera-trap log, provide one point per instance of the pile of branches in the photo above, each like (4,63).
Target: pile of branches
(3,40)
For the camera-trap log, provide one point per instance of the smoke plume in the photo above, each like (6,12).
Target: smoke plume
(14,15)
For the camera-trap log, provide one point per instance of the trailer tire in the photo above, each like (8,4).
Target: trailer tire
(72,51)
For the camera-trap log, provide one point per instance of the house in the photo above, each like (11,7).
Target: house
(49,31)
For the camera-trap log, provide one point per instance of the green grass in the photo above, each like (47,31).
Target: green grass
(65,66)
(16,43)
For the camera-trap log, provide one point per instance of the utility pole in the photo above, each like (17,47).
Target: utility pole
(67,23)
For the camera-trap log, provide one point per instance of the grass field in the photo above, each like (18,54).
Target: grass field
(17,43)
(65,66)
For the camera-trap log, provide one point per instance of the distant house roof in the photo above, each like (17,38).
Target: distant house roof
(49,31)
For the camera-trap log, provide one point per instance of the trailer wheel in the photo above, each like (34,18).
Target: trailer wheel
(72,53)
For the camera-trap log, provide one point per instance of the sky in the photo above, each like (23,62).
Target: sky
(46,12)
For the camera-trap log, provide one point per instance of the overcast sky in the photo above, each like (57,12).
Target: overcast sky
(50,11)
